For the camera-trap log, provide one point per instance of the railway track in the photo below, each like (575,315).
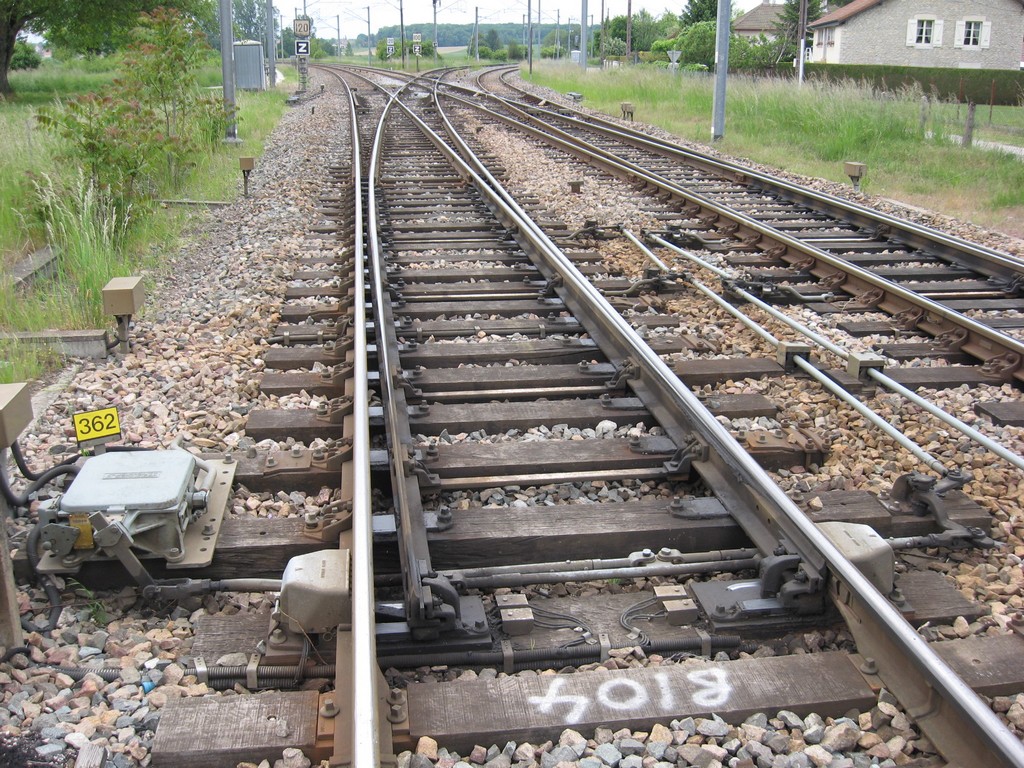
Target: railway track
(500,420)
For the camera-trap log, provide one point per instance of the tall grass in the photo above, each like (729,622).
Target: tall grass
(94,241)
(811,130)
(26,151)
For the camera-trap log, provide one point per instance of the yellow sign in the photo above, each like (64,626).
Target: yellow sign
(92,425)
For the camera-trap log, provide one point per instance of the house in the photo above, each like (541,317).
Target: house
(761,20)
(966,34)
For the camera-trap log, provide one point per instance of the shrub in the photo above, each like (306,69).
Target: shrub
(25,56)
(1000,86)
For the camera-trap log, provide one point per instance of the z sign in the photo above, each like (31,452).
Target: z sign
(302,47)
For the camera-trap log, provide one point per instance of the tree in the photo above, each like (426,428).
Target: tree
(250,19)
(492,40)
(789,21)
(79,25)
(698,11)
(645,31)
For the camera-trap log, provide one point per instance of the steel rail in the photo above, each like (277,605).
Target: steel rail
(985,260)
(364,715)
(956,720)
(413,552)
(844,354)
(980,341)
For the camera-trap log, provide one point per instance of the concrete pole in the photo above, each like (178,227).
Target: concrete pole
(369,60)
(604,34)
(401,22)
(583,37)
(801,33)
(721,68)
(529,35)
(476,33)
(558,34)
(337,21)
(435,33)
(227,69)
(11,635)
(271,44)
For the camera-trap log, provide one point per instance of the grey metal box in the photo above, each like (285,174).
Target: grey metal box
(15,412)
(249,69)
(145,481)
(123,296)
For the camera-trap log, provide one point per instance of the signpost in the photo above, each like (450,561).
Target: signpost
(391,47)
(417,47)
(302,28)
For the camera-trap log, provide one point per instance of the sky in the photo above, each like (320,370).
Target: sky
(325,13)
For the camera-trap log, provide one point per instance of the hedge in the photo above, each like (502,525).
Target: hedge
(982,86)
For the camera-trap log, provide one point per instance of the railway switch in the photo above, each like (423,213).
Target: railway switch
(15,412)
(122,298)
(127,504)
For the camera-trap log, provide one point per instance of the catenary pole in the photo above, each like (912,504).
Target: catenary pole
(721,69)
(227,70)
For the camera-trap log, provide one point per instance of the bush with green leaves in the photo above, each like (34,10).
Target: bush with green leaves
(25,56)
(139,135)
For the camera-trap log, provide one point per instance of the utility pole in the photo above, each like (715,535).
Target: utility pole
(271,44)
(227,70)
(435,33)
(721,69)
(629,31)
(558,34)
(583,37)
(591,28)
(603,34)
(337,50)
(476,33)
(369,43)
(524,30)
(529,35)
(401,22)
(801,34)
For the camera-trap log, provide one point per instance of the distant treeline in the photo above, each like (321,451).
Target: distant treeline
(450,35)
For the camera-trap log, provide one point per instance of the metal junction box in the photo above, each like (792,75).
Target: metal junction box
(150,495)
(15,412)
(249,68)
(123,296)
(315,594)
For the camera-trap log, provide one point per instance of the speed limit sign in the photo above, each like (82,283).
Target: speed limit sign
(301,27)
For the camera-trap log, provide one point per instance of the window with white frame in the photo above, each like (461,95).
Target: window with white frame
(973,33)
(924,32)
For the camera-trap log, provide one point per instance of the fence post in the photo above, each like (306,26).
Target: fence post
(991,101)
(10,620)
(924,115)
(969,126)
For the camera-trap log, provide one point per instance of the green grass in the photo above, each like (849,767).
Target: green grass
(60,79)
(813,129)
(94,242)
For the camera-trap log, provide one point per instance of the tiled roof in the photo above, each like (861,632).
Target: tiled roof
(839,15)
(760,19)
